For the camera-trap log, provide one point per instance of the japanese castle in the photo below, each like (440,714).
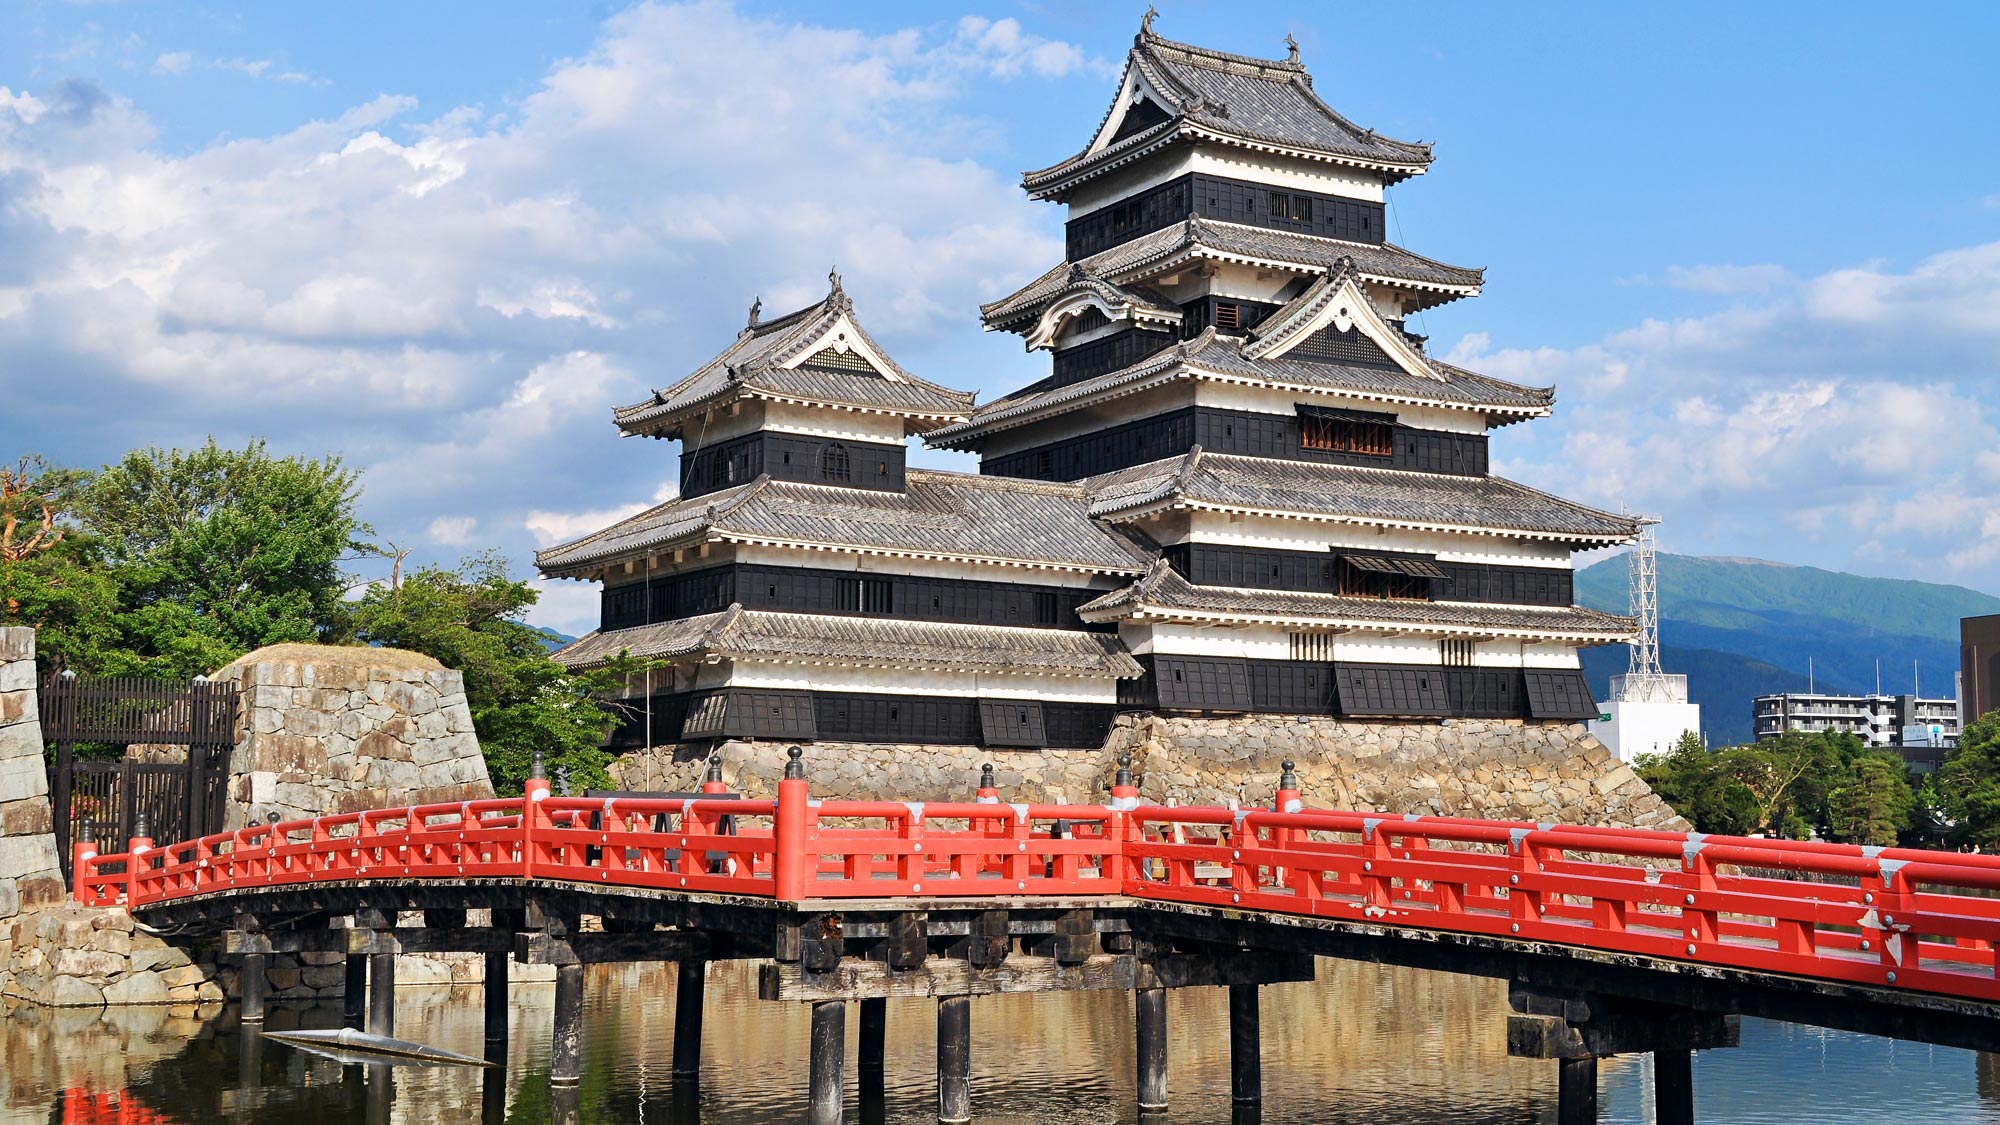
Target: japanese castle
(1244,487)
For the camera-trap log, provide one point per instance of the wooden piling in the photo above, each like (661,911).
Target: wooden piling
(1673,1087)
(688,995)
(1246,1046)
(252,982)
(1576,1091)
(566,1048)
(1150,1011)
(871,1051)
(954,1059)
(382,994)
(354,995)
(829,1053)
(497,971)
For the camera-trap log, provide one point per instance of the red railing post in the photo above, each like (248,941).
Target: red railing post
(1889,891)
(788,833)
(1285,800)
(533,792)
(1123,830)
(83,861)
(140,849)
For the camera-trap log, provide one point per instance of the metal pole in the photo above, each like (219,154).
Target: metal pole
(496,996)
(1576,1091)
(954,1059)
(1246,1047)
(382,994)
(1673,1087)
(354,994)
(829,1052)
(566,1050)
(688,994)
(1150,1008)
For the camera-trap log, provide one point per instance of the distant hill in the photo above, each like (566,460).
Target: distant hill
(1739,628)
(554,639)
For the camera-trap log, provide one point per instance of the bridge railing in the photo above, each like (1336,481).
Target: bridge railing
(1914,919)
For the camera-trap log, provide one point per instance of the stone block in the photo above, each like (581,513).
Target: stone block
(112,941)
(282,979)
(319,958)
(383,746)
(312,723)
(17,642)
(10,901)
(21,777)
(182,974)
(210,992)
(42,890)
(137,988)
(69,992)
(89,963)
(16,707)
(29,817)
(324,976)
(17,675)
(149,958)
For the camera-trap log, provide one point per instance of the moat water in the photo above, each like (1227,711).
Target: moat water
(1362,1044)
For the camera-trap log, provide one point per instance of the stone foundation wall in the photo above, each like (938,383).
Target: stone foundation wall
(30,871)
(333,730)
(74,956)
(1494,768)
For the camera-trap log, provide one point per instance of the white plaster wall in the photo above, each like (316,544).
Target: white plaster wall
(1270,642)
(1304,535)
(1268,400)
(840,425)
(889,681)
(929,568)
(1235,164)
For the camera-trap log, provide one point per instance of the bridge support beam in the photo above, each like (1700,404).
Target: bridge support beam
(954,1059)
(829,1052)
(1673,1086)
(1246,1047)
(1576,1029)
(1150,1012)
(872,1048)
(566,1048)
(382,993)
(253,981)
(354,993)
(689,989)
(497,972)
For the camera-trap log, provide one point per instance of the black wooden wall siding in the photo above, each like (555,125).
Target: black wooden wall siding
(1265,568)
(1244,432)
(1216,197)
(1106,353)
(864,717)
(1304,687)
(792,457)
(846,593)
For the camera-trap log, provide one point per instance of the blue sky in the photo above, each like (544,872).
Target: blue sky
(1756,248)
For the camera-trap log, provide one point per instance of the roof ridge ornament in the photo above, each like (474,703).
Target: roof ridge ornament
(756,308)
(1292,46)
(1146,21)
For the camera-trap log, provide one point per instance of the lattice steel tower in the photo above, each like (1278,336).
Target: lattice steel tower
(1643,679)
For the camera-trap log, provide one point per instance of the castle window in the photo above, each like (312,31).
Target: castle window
(1389,577)
(1295,207)
(1228,314)
(1337,432)
(1045,464)
(834,464)
(1312,646)
(1455,654)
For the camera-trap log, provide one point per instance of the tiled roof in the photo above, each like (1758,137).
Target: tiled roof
(1347,493)
(1223,356)
(1164,592)
(938,515)
(761,363)
(808,638)
(1235,98)
(1215,239)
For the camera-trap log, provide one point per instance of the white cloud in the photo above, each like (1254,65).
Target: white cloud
(551,528)
(453,531)
(262,68)
(173,62)
(1729,280)
(453,297)
(1845,419)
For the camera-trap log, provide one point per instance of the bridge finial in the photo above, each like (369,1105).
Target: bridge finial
(89,834)
(986,777)
(142,826)
(795,768)
(714,768)
(1288,779)
(1124,775)
(271,817)
(537,771)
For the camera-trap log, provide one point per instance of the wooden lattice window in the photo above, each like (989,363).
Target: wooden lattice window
(1455,653)
(1228,314)
(1333,433)
(1312,646)
(834,463)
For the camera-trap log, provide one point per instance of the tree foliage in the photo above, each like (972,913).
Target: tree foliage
(1797,785)
(469,618)
(1966,793)
(221,551)
(52,575)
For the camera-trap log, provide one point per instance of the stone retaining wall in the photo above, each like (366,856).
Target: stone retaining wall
(1496,768)
(333,730)
(30,871)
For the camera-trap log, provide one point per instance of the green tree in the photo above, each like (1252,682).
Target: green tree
(1872,803)
(221,551)
(469,618)
(1967,789)
(50,574)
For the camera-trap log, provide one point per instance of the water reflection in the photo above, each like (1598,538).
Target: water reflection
(1363,1044)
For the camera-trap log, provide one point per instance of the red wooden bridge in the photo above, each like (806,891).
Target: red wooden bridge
(1614,940)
